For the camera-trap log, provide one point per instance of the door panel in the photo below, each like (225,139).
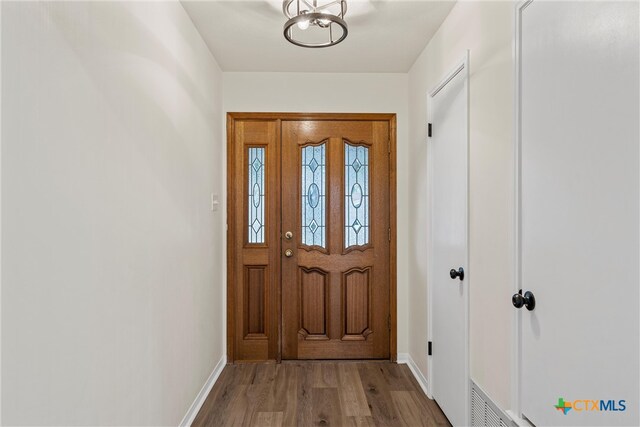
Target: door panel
(335,203)
(314,303)
(254,261)
(579,213)
(448,153)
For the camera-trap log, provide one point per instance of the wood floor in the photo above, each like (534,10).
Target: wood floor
(335,393)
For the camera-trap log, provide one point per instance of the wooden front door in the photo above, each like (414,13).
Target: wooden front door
(311,207)
(335,265)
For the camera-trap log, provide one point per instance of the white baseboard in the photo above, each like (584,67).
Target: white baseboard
(406,359)
(204,392)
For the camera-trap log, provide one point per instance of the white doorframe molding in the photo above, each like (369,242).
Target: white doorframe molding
(516,342)
(461,67)
(0,222)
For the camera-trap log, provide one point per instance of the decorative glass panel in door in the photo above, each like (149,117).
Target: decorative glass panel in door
(256,217)
(356,191)
(335,246)
(313,200)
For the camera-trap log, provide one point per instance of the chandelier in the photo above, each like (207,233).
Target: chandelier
(315,23)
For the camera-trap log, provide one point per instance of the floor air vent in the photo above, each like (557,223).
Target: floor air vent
(484,413)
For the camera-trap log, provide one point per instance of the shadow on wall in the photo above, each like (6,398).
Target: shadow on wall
(111,262)
(120,68)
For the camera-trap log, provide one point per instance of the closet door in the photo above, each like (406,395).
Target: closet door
(579,212)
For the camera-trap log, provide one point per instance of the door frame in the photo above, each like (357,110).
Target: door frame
(462,66)
(516,348)
(232,222)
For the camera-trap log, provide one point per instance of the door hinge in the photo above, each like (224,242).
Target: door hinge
(389,146)
(430,349)
(429,132)
(389,322)
(389,233)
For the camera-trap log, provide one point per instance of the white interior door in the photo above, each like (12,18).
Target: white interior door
(448,163)
(579,212)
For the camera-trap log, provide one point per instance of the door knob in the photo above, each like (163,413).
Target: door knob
(288,235)
(528,300)
(459,273)
(288,253)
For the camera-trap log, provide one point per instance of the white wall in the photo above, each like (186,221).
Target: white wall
(338,93)
(112,309)
(485,28)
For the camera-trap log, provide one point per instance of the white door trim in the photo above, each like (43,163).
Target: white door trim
(461,67)
(516,355)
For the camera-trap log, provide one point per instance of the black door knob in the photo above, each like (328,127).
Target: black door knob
(528,300)
(459,273)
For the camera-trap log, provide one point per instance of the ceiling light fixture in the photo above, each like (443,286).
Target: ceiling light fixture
(315,23)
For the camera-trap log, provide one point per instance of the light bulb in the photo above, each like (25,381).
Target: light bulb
(304,24)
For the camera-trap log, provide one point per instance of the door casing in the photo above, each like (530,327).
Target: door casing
(233,222)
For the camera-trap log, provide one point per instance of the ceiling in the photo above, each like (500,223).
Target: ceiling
(384,36)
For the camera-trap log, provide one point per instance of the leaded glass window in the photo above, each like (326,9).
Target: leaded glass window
(356,204)
(256,195)
(313,198)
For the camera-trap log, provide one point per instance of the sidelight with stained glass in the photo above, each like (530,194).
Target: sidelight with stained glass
(256,156)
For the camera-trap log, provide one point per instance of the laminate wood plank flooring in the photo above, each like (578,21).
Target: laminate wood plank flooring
(314,393)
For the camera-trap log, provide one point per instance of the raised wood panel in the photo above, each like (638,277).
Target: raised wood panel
(256,335)
(255,286)
(356,304)
(253,267)
(314,295)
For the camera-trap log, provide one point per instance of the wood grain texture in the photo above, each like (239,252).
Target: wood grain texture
(355,300)
(254,295)
(352,395)
(393,245)
(269,419)
(231,244)
(253,269)
(313,305)
(378,389)
(312,116)
(244,341)
(313,393)
(358,297)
